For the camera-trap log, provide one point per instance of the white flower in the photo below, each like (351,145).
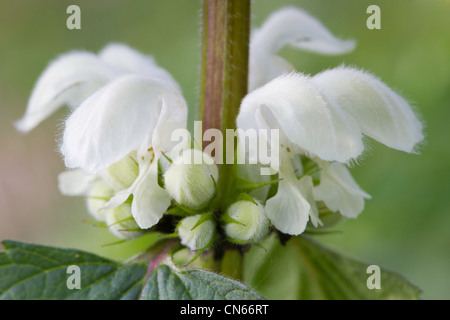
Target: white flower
(99,194)
(197,232)
(75,182)
(322,117)
(121,223)
(192,185)
(74,76)
(79,183)
(339,191)
(131,114)
(325,117)
(124,109)
(246,221)
(294,27)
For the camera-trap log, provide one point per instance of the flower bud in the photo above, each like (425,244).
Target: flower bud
(123,173)
(246,221)
(191,184)
(99,194)
(197,232)
(121,223)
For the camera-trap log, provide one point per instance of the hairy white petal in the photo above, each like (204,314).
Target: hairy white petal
(306,188)
(68,80)
(289,26)
(307,116)
(288,210)
(119,198)
(150,201)
(327,115)
(339,191)
(173,116)
(75,182)
(116,119)
(296,27)
(379,112)
(264,67)
(132,61)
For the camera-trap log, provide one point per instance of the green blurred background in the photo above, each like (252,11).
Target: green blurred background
(406,225)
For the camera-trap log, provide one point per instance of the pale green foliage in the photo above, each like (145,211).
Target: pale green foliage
(304,269)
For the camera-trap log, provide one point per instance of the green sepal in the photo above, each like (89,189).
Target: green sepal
(95,223)
(319,232)
(204,217)
(110,244)
(120,221)
(196,256)
(160,175)
(247,186)
(189,211)
(131,230)
(167,158)
(177,211)
(168,235)
(227,219)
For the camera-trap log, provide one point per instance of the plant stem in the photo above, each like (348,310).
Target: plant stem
(226,30)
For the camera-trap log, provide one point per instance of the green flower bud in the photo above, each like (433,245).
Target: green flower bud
(121,222)
(197,232)
(99,194)
(190,184)
(246,222)
(123,173)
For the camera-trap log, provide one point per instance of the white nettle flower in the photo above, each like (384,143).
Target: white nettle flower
(324,117)
(246,221)
(133,116)
(74,76)
(121,223)
(125,108)
(294,27)
(191,182)
(197,232)
(339,191)
(99,194)
(79,183)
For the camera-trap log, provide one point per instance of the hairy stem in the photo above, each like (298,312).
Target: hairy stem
(226,29)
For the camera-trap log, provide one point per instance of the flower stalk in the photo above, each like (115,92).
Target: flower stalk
(224,75)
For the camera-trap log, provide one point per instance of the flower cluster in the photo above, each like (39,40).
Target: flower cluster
(118,148)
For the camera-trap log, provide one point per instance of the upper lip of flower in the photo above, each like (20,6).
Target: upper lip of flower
(118,118)
(74,76)
(294,27)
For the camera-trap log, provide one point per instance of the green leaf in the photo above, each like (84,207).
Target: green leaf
(30,271)
(304,269)
(164,284)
